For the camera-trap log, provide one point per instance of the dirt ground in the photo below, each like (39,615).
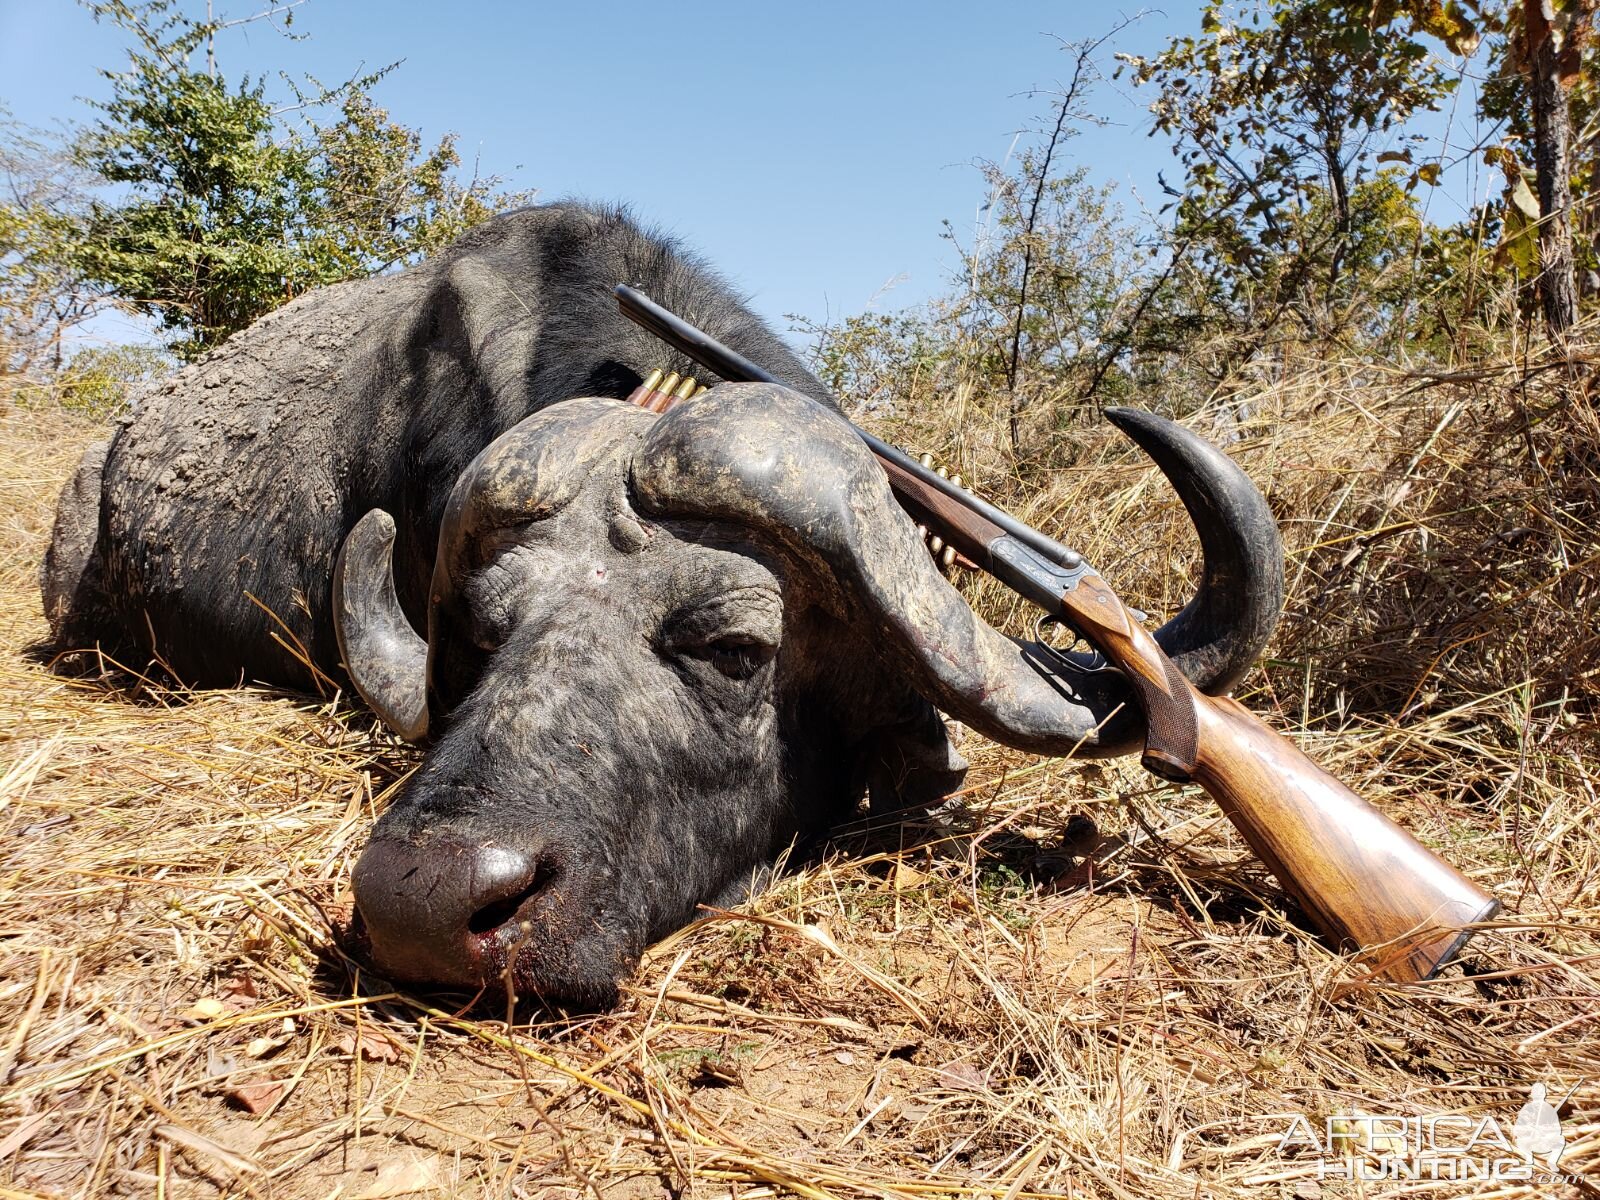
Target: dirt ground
(965,1006)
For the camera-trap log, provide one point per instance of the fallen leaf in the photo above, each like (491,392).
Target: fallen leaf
(913,1113)
(256,1098)
(400,1178)
(906,878)
(218,1064)
(207,1008)
(375,1046)
(964,1075)
(262,1046)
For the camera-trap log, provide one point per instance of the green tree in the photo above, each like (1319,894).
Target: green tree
(1542,88)
(1024,356)
(102,379)
(203,233)
(1034,286)
(875,361)
(380,200)
(221,211)
(1048,285)
(1275,112)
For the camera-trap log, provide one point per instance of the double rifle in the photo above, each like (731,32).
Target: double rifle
(1361,879)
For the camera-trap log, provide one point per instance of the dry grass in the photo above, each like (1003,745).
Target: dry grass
(911,1012)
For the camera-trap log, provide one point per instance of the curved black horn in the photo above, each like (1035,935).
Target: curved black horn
(774,460)
(1220,632)
(386,659)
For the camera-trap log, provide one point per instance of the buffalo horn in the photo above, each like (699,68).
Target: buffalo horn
(386,659)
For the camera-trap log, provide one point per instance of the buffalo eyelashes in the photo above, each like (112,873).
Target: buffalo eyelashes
(736,655)
(740,657)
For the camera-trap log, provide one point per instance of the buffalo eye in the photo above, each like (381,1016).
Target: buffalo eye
(735,632)
(738,656)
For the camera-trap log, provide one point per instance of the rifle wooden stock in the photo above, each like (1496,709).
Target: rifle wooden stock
(1362,879)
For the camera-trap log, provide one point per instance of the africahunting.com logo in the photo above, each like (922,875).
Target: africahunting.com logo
(1374,1146)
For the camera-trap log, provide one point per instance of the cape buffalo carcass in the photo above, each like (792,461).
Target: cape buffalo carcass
(657,649)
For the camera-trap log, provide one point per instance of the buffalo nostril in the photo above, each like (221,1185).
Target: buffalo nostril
(504,908)
(503,895)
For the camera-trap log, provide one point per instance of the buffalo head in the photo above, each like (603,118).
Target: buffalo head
(659,648)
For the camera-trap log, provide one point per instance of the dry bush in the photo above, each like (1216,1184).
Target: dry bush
(991,1004)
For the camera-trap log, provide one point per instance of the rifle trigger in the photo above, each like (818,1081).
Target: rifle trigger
(1096,666)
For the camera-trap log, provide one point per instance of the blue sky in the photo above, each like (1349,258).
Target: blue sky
(810,150)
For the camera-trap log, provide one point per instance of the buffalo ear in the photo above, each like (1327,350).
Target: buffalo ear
(386,659)
(912,765)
